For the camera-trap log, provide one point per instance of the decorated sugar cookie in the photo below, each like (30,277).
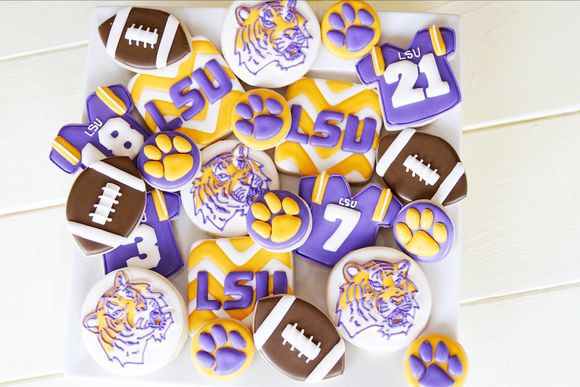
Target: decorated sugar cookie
(436,360)
(110,131)
(222,349)
(261,119)
(197,99)
(133,322)
(335,128)
(231,177)
(416,85)
(169,161)
(343,222)
(279,221)
(379,299)
(270,43)
(226,277)
(424,231)
(350,29)
(145,40)
(152,244)
(417,165)
(297,339)
(105,204)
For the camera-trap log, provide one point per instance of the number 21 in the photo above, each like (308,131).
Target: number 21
(405,72)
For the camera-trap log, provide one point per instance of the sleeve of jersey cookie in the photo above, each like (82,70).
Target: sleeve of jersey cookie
(67,146)
(172,200)
(366,71)
(448,36)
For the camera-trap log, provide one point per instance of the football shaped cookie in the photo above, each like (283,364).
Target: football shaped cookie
(105,204)
(298,339)
(144,40)
(417,165)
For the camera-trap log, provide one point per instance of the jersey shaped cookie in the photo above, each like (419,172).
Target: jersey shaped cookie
(416,85)
(111,131)
(198,100)
(335,128)
(226,277)
(152,244)
(342,222)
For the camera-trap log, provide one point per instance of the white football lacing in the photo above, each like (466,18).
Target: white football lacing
(105,205)
(420,169)
(139,35)
(299,341)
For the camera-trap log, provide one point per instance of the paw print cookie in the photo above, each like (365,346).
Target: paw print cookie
(279,221)
(169,160)
(436,360)
(350,29)
(424,231)
(261,119)
(222,349)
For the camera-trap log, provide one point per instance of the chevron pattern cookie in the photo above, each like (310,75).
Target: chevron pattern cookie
(335,128)
(226,277)
(197,100)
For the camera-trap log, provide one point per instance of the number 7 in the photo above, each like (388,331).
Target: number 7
(348,220)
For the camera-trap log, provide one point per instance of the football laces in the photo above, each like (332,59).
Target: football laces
(139,35)
(107,201)
(300,342)
(421,170)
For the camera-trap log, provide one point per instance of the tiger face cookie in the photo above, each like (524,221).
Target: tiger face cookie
(270,43)
(197,99)
(335,128)
(231,176)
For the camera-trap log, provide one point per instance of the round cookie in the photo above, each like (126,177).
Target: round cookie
(261,119)
(231,176)
(270,43)
(350,29)
(133,322)
(169,160)
(297,339)
(424,231)
(145,40)
(417,165)
(379,299)
(105,204)
(436,360)
(222,349)
(279,221)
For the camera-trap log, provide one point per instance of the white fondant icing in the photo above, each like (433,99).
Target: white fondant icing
(305,346)
(139,35)
(326,364)
(117,30)
(166,41)
(348,219)
(447,185)
(104,208)
(119,175)
(271,322)
(95,234)
(421,170)
(393,150)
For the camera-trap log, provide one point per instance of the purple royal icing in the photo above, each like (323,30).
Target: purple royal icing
(426,351)
(365,17)
(244,111)
(336,37)
(161,238)
(202,300)
(435,377)
(348,13)
(219,335)
(273,106)
(419,112)
(237,340)
(441,352)
(454,366)
(256,103)
(265,125)
(417,366)
(336,21)
(354,37)
(92,136)
(357,37)
(338,192)
(227,360)
(429,371)
(205,359)
(242,294)
(206,342)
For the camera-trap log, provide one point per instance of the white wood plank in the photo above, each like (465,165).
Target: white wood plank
(520,218)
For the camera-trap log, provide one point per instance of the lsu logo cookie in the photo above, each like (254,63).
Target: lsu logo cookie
(127,317)
(227,276)
(335,128)
(196,101)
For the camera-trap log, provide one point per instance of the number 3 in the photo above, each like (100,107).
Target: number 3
(348,220)
(405,72)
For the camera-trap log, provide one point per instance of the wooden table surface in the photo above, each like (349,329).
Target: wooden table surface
(520,294)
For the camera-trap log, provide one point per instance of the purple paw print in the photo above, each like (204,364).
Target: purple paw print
(435,370)
(260,120)
(217,355)
(346,32)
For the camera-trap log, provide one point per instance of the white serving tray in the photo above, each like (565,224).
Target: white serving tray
(362,367)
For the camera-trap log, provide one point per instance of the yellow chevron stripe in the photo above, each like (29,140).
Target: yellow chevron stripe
(111,100)
(378,60)
(66,150)
(382,205)
(319,188)
(437,40)
(160,204)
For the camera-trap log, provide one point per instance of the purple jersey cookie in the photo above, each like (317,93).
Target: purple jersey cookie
(111,131)
(169,161)
(342,222)
(152,245)
(279,221)
(417,84)
(424,231)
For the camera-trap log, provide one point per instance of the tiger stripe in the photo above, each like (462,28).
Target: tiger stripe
(160,205)
(437,40)
(111,100)
(382,205)
(66,150)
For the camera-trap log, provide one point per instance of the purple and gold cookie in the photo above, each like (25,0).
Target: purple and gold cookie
(261,119)
(279,221)
(169,161)
(350,29)
(416,85)
(436,361)
(222,349)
